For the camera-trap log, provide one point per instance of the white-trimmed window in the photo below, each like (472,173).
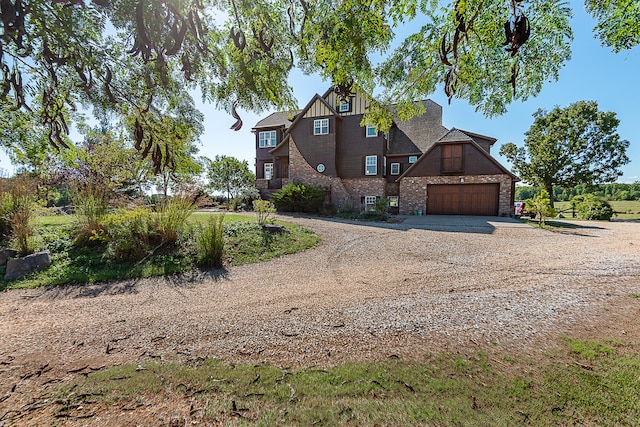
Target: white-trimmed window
(267,139)
(344,107)
(369,203)
(395,168)
(371,165)
(268,170)
(372,131)
(394,201)
(413,159)
(321,127)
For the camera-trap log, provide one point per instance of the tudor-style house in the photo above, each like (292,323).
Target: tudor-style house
(419,165)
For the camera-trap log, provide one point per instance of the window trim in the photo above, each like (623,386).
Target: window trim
(372,204)
(415,159)
(318,127)
(267,142)
(367,165)
(344,103)
(264,169)
(367,131)
(397,165)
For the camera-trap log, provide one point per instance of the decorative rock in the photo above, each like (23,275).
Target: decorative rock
(273,228)
(17,268)
(5,254)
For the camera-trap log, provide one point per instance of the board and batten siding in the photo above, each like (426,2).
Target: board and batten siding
(318,109)
(359,103)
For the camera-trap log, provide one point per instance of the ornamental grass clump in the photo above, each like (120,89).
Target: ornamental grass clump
(210,242)
(17,213)
(91,207)
(171,216)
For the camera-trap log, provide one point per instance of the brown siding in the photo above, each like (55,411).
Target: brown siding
(354,146)
(262,154)
(475,163)
(317,149)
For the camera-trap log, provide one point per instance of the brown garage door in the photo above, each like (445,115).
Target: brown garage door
(463,199)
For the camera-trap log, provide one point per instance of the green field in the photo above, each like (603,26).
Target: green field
(627,209)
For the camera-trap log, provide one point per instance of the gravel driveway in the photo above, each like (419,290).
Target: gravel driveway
(366,292)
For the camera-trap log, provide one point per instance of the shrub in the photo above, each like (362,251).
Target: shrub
(590,206)
(91,205)
(298,197)
(263,209)
(131,234)
(171,215)
(381,207)
(210,242)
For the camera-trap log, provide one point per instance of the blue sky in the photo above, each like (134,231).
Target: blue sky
(593,73)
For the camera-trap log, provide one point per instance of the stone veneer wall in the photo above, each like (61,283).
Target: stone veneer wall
(360,187)
(413,191)
(302,171)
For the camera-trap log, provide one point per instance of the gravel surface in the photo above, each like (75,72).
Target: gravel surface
(367,292)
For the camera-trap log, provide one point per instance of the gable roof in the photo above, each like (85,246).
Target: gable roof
(315,98)
(457,136)
(277,119)
(475,136)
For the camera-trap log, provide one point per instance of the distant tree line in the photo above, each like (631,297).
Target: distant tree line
(611,192)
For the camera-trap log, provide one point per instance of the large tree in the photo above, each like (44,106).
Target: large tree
(569,146)
(136,58)
(230,175)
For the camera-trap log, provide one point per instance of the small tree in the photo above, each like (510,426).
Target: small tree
(381,207)
(229,175)
(541,206)
(299,197)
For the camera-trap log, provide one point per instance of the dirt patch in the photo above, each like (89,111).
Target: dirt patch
(367,292)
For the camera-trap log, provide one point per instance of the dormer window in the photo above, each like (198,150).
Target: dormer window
(344,107)
(267,139)
(321,127)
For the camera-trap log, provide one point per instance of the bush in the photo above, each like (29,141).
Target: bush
(381,207)
(131,234)
(590,206)
(210,242)
(263,209)
(91,204)
(298,197)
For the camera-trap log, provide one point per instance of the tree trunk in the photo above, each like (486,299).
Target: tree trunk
(549,188)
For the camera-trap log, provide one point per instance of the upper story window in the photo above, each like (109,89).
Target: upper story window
(321,127)
(413,159)
(267,139)
(452,158)
(371,165)
(395,168)
(371,131)
(344,107)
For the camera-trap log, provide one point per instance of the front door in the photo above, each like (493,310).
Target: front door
(268,170)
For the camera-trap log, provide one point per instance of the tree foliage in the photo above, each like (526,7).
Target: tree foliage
(229,175)
(569,146)
(541,206)
(138,59)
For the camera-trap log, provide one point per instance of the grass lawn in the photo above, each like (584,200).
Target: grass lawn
(244,243)
(583,383)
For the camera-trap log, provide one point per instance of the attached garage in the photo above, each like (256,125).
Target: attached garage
(463,199)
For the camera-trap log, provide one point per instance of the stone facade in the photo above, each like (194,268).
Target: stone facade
(413,191)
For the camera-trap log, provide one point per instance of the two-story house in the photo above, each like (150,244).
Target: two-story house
(418,165)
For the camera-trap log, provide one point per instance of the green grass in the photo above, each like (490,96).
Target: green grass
(584,383)
(245,243)
(628,209)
